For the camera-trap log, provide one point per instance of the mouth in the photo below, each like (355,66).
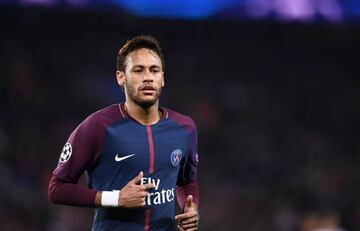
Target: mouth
(148,90)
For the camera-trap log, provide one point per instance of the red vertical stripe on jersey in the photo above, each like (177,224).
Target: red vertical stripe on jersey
(147,220)
(151,148)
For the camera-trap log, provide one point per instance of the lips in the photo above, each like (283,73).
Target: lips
(147,88)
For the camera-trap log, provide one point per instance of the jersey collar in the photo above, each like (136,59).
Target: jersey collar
(124,114)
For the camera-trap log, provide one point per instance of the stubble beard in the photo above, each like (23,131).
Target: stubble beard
(136,98)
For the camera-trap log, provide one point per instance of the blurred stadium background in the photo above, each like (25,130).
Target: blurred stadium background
(272,84)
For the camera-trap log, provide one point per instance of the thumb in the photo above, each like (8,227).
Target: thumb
(137,178)
(189,201)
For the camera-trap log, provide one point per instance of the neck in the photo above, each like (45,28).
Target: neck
(145,116)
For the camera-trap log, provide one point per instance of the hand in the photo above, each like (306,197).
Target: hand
(133,195)
(188,221)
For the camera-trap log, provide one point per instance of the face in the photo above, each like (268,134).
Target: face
(143,78)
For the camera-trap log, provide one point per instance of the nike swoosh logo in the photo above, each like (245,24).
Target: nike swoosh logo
(123,157)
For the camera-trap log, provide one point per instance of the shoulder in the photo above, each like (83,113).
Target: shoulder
(183,120)
(102,118)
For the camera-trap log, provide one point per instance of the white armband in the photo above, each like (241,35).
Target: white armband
(110,198)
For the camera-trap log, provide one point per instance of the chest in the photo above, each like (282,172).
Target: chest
(134,147)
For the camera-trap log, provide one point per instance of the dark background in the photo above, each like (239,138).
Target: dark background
(276,104)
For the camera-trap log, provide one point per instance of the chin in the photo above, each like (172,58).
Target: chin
(146,103)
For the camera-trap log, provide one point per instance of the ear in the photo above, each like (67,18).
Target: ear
(162,80)
(120,76)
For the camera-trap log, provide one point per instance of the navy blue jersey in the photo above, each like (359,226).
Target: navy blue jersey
(112,148)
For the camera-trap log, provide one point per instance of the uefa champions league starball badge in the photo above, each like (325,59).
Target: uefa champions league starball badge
(65,153)
(176,157)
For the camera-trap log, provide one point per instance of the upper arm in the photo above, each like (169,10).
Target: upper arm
(188,168)
(80,151)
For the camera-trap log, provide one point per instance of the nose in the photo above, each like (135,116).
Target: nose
(148,77)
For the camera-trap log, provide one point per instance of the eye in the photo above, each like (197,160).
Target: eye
(155,70)
(137,70)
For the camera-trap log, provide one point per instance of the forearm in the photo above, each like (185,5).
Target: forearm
(182,191)
(61,192)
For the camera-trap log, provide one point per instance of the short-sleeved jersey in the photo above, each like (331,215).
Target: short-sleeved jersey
(112,148)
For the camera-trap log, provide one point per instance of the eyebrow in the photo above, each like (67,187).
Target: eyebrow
(142,66)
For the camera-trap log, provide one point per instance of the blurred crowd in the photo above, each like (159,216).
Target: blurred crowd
(276,108)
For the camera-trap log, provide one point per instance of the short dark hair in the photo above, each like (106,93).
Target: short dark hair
(138,42)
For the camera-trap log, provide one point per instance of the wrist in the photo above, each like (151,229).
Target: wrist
(110,198)
(98,199)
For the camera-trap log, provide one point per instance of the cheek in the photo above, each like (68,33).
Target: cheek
(132,80)
(130,89)
(159,80)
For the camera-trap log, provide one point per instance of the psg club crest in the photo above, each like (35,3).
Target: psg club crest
(65,153)
(176,157)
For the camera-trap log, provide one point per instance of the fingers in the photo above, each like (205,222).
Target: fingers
(142,203)
(185,216)
(147,187)
(137,179)
(189,226)
(189,221)
(189,201)
(191,229)
(181,229)
(136,203)
(143,194)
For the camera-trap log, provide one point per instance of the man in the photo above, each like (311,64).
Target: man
(137,155)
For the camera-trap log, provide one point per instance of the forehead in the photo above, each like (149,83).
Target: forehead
(143,56)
